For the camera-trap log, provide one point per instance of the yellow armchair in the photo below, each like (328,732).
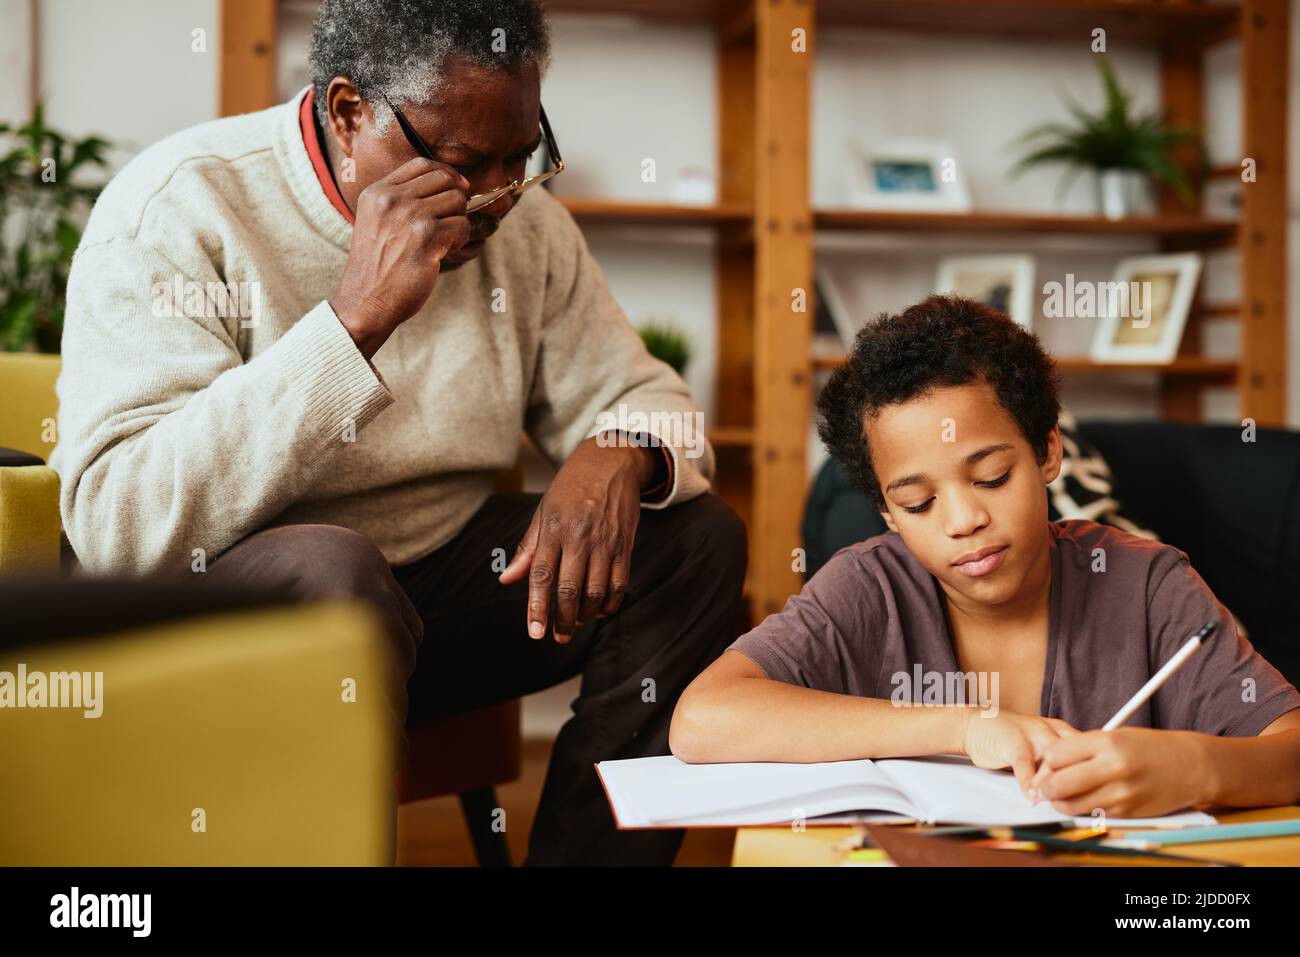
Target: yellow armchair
(30,529)
(259,737)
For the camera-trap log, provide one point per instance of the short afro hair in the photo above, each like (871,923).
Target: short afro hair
(398,47)
(942,341)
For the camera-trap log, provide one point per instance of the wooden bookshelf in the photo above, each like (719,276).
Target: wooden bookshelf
(689,11)
(1160,22)
(602,212)
(766,227)
(1215,371)
(724,437)
(1188,230)
(1181,31)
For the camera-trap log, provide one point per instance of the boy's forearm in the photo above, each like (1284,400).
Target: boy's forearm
(1253,772)
(757,719)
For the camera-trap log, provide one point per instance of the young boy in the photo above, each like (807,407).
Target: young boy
(946,417)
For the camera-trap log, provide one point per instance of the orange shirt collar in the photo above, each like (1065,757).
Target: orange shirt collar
(307,120)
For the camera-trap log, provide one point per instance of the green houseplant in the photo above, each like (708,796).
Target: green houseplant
(1127,151)
(665,341)
(48,182)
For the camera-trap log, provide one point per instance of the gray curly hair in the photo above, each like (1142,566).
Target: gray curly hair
(399,47)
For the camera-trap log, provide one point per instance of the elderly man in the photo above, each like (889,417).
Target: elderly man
(301,343)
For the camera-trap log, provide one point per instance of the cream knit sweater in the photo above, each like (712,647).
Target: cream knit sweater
(187,422)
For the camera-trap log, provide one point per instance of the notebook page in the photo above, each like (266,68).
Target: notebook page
(950,789)
(812,812)
(663,791)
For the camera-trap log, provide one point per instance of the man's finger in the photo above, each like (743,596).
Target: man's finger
(541,577)
(419,166)
(523,554)
(440,180)
(446,235)
(620,570)
(596,591)
(568,587)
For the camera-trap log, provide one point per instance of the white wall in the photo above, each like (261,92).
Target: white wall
(619,92)
(123,69)
(14,60)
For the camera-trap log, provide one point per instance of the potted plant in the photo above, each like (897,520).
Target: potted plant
(1125,151)
(44,199)
(665,341)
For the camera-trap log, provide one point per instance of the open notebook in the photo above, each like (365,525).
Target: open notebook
(947,789)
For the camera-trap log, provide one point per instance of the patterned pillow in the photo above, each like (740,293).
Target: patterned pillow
(1084,489)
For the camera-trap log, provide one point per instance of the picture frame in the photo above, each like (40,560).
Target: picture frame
(1120,335)
(907,174)
(1006,283)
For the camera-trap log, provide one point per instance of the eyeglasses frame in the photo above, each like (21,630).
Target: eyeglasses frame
(479,200)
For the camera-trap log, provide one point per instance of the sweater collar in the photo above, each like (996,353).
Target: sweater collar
(319,163)
(300,172)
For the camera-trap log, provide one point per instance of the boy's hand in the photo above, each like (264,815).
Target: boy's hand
(1017,741)
(1128,772)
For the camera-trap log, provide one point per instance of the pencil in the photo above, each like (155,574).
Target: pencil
(1161,676)
(1251,830)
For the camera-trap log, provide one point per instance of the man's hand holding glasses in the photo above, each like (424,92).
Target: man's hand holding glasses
(405,224)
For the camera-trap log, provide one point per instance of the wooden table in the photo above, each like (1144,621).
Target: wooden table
(819,846)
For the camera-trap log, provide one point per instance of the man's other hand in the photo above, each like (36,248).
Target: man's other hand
(577,551)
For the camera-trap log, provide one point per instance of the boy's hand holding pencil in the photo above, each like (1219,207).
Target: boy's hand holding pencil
(1131,772)
(1128,772)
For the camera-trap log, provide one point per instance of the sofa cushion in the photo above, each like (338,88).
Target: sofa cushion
(1232,505)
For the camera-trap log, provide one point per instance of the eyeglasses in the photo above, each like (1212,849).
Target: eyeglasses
(514,187)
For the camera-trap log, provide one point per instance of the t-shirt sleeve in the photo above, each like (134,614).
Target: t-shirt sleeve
(1226,688)
(827,637)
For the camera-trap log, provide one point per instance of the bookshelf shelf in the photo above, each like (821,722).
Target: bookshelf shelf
(1135,21)
(736,437)
(1183,228)
(619,213)
(1223,371)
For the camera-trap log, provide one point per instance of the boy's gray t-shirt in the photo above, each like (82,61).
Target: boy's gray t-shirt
(873,612)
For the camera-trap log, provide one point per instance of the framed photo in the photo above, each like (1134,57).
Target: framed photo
(1005,283)
(920,175)
(831,311)
(1144,309)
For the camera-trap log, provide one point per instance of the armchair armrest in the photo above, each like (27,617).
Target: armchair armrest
(30,527)
(252,737)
